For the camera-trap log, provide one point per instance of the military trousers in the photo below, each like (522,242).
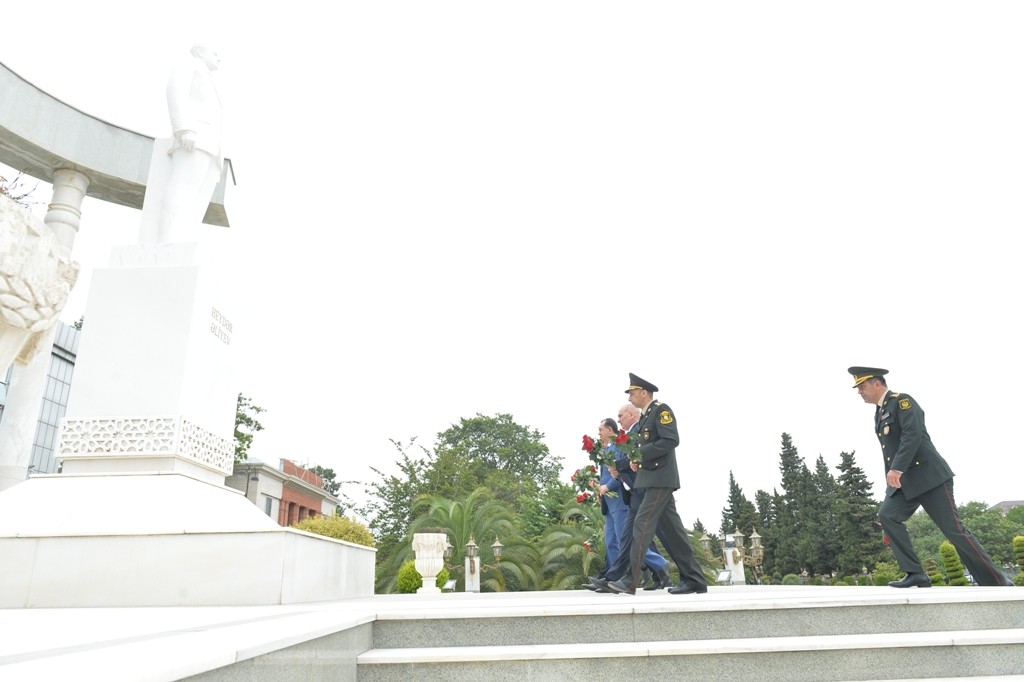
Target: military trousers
(940,505)
(659,507)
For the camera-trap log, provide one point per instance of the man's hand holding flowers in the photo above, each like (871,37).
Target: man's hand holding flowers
(629,445)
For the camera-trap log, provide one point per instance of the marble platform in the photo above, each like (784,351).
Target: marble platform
(736,633)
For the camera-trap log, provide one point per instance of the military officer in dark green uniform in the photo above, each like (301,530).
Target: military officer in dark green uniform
(916,476)
(659,475)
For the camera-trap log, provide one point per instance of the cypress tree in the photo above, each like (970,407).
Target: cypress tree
(855,515)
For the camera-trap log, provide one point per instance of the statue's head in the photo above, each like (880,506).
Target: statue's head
(207,55)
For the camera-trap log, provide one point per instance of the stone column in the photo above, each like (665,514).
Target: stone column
(64,214)
(28,383)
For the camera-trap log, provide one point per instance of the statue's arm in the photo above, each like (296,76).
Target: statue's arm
(179,106)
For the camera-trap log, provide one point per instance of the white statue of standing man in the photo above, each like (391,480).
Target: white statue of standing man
(185,169)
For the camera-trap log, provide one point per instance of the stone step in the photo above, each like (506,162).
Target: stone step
(721,614)
(818,658)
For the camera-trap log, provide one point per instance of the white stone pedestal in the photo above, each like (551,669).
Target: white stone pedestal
(140,515)
(153,387)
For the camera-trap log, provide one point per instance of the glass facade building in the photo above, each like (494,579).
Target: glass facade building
(55,398)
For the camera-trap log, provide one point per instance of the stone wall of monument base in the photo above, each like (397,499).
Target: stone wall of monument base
(283,566)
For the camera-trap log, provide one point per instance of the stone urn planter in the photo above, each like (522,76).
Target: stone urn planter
(429,548)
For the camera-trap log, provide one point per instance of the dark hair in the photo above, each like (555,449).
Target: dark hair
(879,379)
(611,424)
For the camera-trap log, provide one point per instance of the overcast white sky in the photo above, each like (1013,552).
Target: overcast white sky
(446,208)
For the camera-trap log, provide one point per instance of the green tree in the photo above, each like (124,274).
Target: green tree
(739,512)
(714,551)
(1018,552)
(822,523)
(788,541)
(246,426)
(510,458)
(545,509)
(391,498)
(1015,517)
(493,452)
(855,515)
(330,484)
(766,512)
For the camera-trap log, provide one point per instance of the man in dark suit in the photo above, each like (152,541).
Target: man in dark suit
(654,563)
(659,476)
(916,476)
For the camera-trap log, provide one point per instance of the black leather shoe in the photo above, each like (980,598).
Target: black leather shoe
(646,578)
(603,590)
(688,588)
(590,586)
(913,580)
(599,583)
(619,586)
(661,579)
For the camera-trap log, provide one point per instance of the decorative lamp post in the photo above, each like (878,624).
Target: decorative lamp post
(732,553)
(472,566)
(705,542)
(252,475)
(496,548)
(756,555)
(447,549)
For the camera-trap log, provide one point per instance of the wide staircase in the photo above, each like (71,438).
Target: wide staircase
(731,633)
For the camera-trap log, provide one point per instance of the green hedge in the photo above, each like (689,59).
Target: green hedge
(337,527)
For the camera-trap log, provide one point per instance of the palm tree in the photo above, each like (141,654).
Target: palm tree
(479,517)
(568,550)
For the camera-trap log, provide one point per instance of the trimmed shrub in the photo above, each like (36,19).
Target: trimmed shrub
(410,580)
(885,572)
(955,574)
(931,567)
(337,527)
(791,579)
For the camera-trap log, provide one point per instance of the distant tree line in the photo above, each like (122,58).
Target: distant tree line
(491,479)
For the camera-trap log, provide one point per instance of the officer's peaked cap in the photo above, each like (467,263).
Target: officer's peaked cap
(862,374)
(636,382)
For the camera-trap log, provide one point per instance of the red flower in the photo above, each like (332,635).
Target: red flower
(588,443)
(581,498)
(623,437)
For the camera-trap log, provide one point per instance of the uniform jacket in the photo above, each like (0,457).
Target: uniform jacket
(659,435)
(907,447)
